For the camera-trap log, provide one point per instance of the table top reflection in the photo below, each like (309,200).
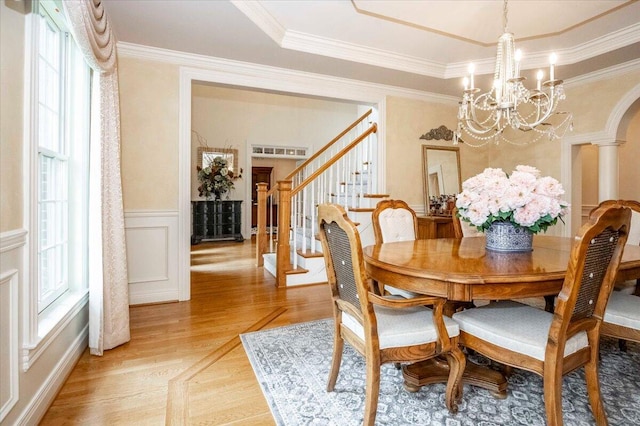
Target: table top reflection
(463,270)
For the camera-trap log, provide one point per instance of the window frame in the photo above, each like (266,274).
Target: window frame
(41,324)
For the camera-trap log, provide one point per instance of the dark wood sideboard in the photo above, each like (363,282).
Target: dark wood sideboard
(216,220)
(435,227)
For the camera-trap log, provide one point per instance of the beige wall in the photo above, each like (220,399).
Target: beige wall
(630,161)
(11,109)
(149,100)
(406,121)
(281,167)
(589,157)
(149,134)
(591,103)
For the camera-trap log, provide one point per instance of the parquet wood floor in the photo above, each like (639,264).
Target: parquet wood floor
(185,363)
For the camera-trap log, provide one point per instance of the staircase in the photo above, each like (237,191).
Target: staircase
(344,172)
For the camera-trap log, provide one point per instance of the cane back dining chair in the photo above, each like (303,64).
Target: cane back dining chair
(622,315)
(382,329)
(393,221)
(554,344)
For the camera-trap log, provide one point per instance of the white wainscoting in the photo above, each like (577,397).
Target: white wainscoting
(152,256)
(8,341)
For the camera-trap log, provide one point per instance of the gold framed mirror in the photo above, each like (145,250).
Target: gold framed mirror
(206,156)
(441,178)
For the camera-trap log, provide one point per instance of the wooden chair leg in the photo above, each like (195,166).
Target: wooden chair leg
(372,391)
(338,346)
(549,303)
(457,363)
(593,389)
(622,344)
(507,370)
(552,382)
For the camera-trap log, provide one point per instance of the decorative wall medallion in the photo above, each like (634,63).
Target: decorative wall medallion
(441,133)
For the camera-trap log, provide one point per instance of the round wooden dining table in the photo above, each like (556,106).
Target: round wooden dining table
(463,270)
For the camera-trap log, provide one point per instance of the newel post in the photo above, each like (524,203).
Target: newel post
(261,233)
(283,252)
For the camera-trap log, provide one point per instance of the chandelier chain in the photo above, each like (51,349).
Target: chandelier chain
(505,16)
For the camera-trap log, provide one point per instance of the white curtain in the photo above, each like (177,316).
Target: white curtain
(108,284)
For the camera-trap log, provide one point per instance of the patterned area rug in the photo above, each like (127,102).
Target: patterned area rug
(292,366)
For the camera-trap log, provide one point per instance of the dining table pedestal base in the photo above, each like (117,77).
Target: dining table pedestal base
(436,370)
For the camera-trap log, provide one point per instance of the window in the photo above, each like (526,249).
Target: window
(297,153)
(59,86)
(53,166)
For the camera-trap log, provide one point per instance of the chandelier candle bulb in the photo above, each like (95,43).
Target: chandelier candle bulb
(465,83)
(539,78)
(518,57)
(471,70)
(552,61)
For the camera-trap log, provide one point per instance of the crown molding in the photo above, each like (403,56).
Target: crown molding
(599,46)
(259,15)
(249,74)
(338,49)
(605,73)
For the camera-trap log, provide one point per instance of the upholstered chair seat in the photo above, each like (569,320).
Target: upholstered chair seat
(623,309)
(406,327)
(515,326)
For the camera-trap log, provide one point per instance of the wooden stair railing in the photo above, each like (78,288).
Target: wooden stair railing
(291,200)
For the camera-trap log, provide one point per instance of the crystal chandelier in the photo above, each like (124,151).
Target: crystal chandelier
(509,110)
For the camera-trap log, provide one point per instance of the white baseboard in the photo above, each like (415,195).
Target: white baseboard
(43,398)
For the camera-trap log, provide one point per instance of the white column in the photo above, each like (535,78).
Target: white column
(608,170)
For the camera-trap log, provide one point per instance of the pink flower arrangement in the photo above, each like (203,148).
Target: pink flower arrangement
(522,198)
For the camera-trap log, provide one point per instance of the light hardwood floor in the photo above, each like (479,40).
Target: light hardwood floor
(185,363)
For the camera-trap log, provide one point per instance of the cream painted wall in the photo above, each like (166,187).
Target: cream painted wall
(11,109)
(589,154)
(630,161)
(544,155)
(149,130)
(406,121)
(233,118)
(591,103)
(281,167)
(149,134)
